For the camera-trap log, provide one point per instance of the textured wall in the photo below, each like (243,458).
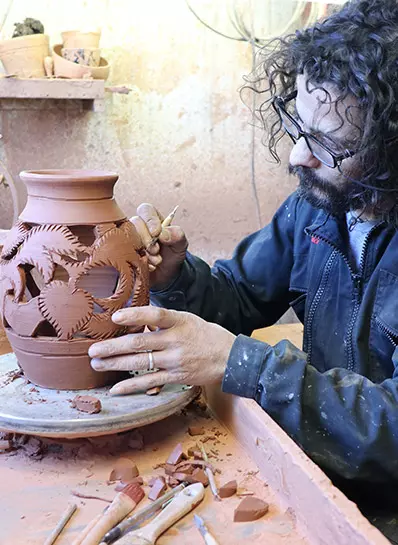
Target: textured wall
(181,137)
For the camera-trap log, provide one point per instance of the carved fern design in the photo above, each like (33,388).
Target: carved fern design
(102,228)
(101,326)
(15,238)
(67,309)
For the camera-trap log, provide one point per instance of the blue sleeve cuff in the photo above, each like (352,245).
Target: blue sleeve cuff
(173,295)
(244,367)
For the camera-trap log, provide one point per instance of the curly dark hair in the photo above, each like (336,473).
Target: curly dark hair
(356,51)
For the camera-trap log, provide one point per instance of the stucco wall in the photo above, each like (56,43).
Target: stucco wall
(181,137)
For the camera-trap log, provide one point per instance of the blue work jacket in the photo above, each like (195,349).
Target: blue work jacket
(337,397)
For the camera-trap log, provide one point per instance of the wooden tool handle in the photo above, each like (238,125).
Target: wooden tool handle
(183,503)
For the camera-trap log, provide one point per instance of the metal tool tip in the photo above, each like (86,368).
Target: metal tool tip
(198,520)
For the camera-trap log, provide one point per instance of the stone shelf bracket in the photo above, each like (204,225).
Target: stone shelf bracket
(90,91)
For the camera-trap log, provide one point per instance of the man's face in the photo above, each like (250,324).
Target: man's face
(318,114)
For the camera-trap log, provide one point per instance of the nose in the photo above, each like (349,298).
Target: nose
(301,155)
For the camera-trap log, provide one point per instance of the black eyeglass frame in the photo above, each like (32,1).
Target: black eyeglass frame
(279,103)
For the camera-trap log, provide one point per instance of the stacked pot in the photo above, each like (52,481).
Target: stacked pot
(79,56)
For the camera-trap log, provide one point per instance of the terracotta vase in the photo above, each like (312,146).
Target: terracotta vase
(70,261)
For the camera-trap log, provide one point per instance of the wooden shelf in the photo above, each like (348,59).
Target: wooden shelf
(90,90)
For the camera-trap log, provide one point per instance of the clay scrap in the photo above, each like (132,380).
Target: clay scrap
(177,455)
(158,489)
(125,470)
(249,509)
(228,489)
(121,484)
(196,430)
(86,404)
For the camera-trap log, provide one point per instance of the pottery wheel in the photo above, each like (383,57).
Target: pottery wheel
(26,408)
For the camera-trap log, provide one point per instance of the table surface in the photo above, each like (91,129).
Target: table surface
(36,491)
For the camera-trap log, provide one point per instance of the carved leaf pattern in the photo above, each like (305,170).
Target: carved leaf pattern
(101,326)
(123,289)
(70,310)
(102,228)
(67,309)
(15,238)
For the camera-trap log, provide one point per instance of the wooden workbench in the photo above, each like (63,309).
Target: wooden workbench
(305,507)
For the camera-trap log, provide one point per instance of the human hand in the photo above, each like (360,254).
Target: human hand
(185,349)
(166,256)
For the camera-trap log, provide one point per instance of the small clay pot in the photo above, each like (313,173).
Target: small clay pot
(89,56)
(24,56)
(71,260)
(77,38)
(67,69)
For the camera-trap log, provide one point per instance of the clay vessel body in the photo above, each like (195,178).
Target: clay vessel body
(71,260)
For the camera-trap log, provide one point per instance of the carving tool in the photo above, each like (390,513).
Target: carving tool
(165,223)
(181,504)
(207,537)
(141,516)
(209,472)
(123,503)
(66,516)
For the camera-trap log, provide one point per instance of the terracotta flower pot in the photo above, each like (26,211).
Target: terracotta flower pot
(68,69)
(24,56)
(70,261)
(77,38)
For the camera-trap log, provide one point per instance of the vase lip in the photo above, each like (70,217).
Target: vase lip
(70,175)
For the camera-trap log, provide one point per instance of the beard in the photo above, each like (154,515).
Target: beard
(334,199)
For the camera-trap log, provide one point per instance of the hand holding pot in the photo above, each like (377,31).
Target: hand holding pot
(166,256)
(185,349)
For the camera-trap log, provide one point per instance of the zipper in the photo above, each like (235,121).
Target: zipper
(316,301)
(357,279)
(391,336)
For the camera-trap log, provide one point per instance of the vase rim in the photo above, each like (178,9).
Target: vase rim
(70,175)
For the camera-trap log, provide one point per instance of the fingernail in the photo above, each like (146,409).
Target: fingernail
(166,235)
(97,364)
(115,391)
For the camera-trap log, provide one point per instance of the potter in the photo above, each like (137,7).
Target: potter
(330,253)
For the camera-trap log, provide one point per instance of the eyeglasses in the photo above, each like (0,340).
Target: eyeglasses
(319,150)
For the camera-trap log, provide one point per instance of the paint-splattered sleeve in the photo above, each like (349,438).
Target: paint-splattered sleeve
(342,420)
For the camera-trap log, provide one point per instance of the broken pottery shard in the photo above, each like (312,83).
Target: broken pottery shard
(158,489)
(124,471)
(228,489)
(176,456)
(172,482)
(120,485)
(199,476)
(181,477)
(169,469)
(152,480)
(87,404)
(249,509)
(196,430)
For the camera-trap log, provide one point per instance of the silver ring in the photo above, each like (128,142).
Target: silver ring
(151,362)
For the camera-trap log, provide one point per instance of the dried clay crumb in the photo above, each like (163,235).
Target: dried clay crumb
(158,489)
(86,404)
(177,455)
(228,489)
(196,430)
(124,470)
(249,509)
